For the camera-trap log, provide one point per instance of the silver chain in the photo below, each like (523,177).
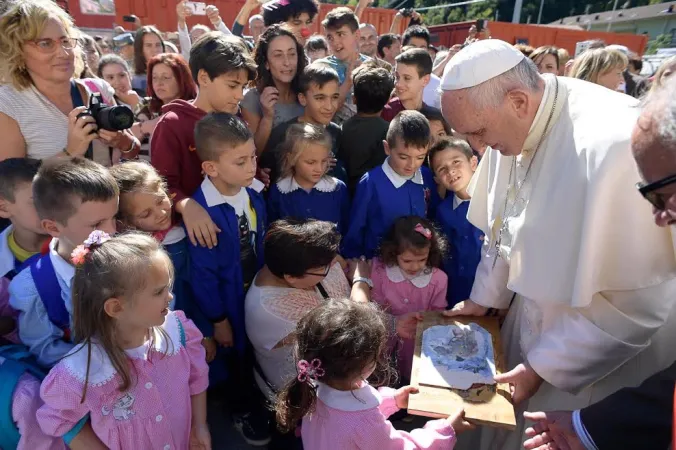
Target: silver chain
(505,213)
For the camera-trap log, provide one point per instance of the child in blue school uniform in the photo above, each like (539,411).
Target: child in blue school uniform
(454,163)
(400,187)
(145,205)
(220,275)
(305,190)
(73,197)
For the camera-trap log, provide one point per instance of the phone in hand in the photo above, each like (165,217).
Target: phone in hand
(129,19)
(197,8)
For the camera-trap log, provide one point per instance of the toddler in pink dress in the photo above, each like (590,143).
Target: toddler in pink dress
(340,344)
(139,370)
(406,277)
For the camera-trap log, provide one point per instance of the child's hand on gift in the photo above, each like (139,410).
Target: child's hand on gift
(401,396)
(458,422)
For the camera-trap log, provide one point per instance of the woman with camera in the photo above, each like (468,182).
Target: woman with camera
(43,108)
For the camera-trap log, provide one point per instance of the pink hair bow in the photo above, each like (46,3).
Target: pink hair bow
(309,370)
(424,231)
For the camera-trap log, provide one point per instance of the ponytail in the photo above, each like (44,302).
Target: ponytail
(296,400)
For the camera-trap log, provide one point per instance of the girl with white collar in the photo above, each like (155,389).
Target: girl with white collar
(139,370)
(339,345)
(304,190)
(406,276)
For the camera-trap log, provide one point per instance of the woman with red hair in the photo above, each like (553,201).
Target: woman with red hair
(169,79)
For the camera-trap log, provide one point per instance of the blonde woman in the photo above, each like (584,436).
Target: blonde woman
(601,66)
(39,102)
(667,68)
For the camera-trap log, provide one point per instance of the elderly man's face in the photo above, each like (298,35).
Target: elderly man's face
(656,162)
(503,128)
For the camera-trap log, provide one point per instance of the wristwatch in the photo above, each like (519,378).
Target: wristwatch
(363,280)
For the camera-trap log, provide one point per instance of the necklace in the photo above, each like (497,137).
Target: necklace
(519,185)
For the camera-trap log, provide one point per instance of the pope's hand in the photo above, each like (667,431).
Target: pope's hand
(466,308)
(524,382)
(551,431)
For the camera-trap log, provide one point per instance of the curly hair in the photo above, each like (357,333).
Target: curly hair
(187,90)
(403,236)
(23,22)
(264,76)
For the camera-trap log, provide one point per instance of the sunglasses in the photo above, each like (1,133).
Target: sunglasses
(658,200)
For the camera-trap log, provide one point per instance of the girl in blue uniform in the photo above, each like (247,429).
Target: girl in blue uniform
(454,164)
(400,187)
(304,190)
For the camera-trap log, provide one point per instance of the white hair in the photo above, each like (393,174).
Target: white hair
(254,18)
(661,105)
(491,93)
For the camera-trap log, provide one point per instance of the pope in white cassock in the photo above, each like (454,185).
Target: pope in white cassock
(570,250)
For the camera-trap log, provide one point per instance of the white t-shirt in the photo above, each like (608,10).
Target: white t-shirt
(431,96)
(240,202)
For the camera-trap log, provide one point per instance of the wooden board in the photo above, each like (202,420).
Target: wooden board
(485,404)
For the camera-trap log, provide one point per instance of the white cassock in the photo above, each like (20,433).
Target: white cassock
(591,278)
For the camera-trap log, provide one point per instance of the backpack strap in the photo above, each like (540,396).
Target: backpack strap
(49,290)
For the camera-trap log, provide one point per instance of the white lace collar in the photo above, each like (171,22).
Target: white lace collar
(366,397)
(289,184)
(396,179)
(101,369)
(395,275)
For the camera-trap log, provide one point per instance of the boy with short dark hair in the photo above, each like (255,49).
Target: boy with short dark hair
(399,187)
(24,238)
(389,47)
(416,36)
(453,164)
(221,66)
(220,276)
(361,145)
(73,197)
(438,125)
(341,27)
(319,94)
(413,70)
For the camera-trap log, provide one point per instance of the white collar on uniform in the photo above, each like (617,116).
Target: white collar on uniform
(214,198)
(457,201)
(63,269)
(396,179)
(366,397)
(101,370)
(6,255)
(395,275)
(289,184)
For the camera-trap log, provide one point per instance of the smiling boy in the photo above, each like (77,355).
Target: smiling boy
(399,187)
(412,69)
(221,66)
(341,28)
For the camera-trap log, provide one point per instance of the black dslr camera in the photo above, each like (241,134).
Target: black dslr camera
(111,118)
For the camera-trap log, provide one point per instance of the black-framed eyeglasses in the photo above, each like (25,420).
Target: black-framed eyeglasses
(326,272)
(657,199)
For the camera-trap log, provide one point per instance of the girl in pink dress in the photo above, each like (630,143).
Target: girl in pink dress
(139,369)
(339,345)
(406,277)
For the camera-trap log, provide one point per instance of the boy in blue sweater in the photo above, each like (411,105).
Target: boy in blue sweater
(73,197)
(399,187)
(221,275)
(454,163)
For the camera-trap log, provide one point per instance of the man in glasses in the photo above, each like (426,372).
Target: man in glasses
(641,417)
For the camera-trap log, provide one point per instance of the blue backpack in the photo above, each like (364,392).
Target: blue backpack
(18,361)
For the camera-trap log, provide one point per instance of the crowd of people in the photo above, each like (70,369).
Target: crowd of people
(260,221)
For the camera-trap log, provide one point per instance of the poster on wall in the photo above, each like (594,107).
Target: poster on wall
(98,7)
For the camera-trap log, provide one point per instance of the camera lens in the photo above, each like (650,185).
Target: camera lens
(115,118)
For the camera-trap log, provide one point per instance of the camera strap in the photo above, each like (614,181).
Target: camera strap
(76,97)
